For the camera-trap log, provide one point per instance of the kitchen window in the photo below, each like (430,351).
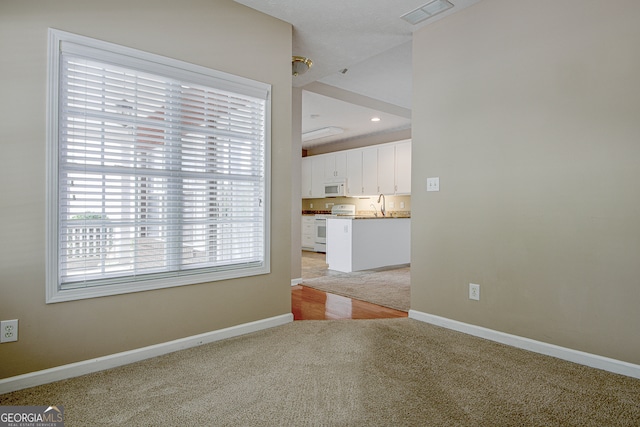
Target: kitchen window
(158,172)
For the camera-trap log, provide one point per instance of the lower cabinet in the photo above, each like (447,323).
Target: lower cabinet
(308,232)
(355,244)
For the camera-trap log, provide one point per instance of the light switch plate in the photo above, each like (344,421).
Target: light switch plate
(433,184)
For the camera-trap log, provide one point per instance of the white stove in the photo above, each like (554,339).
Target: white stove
(341,210)
(320,243)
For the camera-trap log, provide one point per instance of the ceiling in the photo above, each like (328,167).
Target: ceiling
(371,41)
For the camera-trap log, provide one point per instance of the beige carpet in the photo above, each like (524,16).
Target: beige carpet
(388,372)
(386,287)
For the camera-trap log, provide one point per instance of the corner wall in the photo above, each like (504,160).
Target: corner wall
(296,185)
(218,34)
(528,113)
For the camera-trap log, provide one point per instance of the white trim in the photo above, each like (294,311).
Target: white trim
(51,221)
(71,370)
(297,281)
(55,295)
(580,357)
(63,41)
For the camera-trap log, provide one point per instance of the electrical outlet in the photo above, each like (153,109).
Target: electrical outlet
(474,291)
(433,184)
(9,330)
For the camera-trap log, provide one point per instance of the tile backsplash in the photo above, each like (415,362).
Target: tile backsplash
(363,204)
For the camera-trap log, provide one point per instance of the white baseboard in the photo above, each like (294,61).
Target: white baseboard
(580,357)
(71,370)
(297,281)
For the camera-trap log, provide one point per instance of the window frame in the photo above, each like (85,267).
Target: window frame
(164,66)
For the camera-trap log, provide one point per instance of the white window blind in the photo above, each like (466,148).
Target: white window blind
(160,174)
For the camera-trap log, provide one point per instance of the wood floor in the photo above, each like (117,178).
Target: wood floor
(312,304)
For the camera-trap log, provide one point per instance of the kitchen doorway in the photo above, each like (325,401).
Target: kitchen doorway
(387,286)
(310,303)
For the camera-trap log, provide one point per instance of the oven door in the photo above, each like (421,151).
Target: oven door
(320,243)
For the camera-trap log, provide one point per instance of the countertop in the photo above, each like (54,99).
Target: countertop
(316,212)
(390,216)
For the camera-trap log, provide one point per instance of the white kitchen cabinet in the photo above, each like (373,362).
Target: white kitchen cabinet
(313,179)
(386,169)
(363,244)
(335,166)
(317,176)
(305,183)
(403,168)
(354,173)
(308,232)
(370,171)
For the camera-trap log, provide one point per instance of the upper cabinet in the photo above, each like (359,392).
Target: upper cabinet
(317,176)
(386,169)
(403,168)
(335,166)
(312,178)
(354,173)
(368,171)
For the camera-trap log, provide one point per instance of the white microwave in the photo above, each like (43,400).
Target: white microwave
(335,189)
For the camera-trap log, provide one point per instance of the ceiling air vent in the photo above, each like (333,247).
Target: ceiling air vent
(426,11)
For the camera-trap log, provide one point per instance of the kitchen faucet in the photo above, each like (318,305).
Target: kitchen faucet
(383,209)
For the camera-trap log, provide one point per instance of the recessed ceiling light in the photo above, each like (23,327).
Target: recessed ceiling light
(375,119)
(427,11)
